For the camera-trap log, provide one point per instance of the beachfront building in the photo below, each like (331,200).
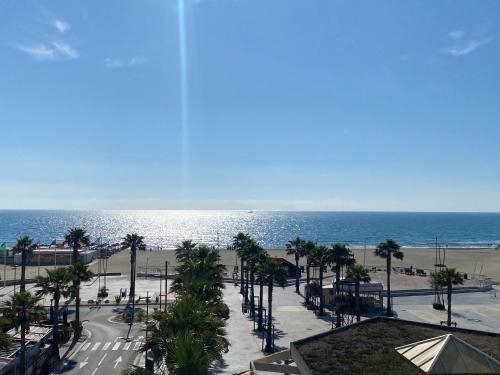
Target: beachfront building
(54,256)
(384,346)
(37,344)
(372,289)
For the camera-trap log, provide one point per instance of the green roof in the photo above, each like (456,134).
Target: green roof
(369,347)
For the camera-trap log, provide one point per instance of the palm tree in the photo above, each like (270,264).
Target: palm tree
(57,283)
(240,244)
(295,247)
(80,272)
(76,238)
(21,310)
(447,277)
(134,242)
(387,250)
(341,256)
(23,246)
(184,250)
(253,255)
(261,279)
(187,315)
(201,276)
(321,257)
(308,251)
(358,274)
(185,356)
(273,274)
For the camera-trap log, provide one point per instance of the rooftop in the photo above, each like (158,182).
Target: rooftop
(369,347)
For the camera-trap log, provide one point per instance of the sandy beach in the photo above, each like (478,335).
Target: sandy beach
(465,260)
(470,261)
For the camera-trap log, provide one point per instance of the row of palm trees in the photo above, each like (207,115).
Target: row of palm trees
(258,266)
(24,308)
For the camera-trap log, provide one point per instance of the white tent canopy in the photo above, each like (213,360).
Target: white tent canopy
(448,354)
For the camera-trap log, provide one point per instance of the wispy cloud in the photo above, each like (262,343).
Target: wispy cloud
(456,34)
(467,47)
(61,25)
(118,62)
(38,51)
(65,50)
(462,46)
(53,51)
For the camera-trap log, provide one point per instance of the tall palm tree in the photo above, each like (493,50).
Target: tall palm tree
(76,238)
(358,274)
(21,310)
(296,248)
(387,250)
(260,278)
(23,246)
(240,244)
(273,274)
(133,242)
(321,257)
(253,255)
(56,283)
(341,256)
(80,272)
(308,251)
(447,278)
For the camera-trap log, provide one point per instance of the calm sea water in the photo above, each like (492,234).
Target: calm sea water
(271,229)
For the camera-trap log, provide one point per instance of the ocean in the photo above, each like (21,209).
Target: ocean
(271,229)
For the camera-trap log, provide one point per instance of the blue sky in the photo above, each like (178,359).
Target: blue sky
(283,104)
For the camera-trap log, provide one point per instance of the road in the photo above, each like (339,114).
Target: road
(110,347)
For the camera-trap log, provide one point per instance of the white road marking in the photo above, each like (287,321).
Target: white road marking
(106,346)
(116,346)
(102,359)
(84,363)
(96,345)
(118,360)
(127,345)
(85,346)
(137,345)
(95,370)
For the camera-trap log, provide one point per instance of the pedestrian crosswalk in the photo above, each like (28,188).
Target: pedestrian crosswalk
(119,345)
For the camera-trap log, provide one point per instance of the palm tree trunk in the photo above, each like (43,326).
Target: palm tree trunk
(77,310)
(449,303)
(252,298)
(22,366)
(297,274)
(308,282)
(23,270)
(269,336)
(246,282)
(261,296)
(338,323)
(242,290)
(321,312)
(389,309)
(75,254)
(356,291)
(131,295)
(55,329)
